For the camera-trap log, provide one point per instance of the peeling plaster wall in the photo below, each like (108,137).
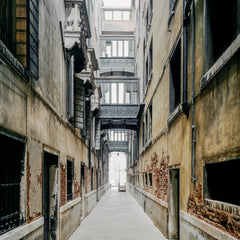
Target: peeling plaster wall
(37,110)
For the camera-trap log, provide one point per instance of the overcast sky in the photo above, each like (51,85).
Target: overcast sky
(117,3)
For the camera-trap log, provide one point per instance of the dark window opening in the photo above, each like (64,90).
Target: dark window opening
(8,24)
(175,78)
(92,177)
(11,165)
(151,57)
(221,27)
(150,179)
(146,179)
(143,134)
(19,31)
(70,176)
(222,181)
(150,122)
(146,73)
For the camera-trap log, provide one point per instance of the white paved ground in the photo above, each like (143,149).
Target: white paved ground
(117,216)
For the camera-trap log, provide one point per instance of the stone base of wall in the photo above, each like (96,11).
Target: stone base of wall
(156,209)
(33,230)
(69,218)
(196,229)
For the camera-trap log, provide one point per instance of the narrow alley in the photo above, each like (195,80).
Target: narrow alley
(119,119)
(117,216)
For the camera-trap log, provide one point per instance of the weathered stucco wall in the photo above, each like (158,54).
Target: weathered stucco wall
(215,118)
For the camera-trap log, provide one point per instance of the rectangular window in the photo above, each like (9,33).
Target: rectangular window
(146,179)
(109,49)
(146,73)
(150,57)
(150,179)
(220,31)
(70,176)
(126,48)
(128,97)
(11,152)
(114,93)
(120,48)
(107,92)
(126,15)
(146,128)
(175,78)
(121,93)
(114,46)
(135,97)
(150,122)
(117,15)
(143,134)
(108,15)
(222,186)
(19,26)
(92,178)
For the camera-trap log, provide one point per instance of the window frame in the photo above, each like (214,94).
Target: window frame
(70,196)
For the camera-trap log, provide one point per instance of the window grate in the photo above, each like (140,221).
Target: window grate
(10,175)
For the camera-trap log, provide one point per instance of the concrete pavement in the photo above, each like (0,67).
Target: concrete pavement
(117,216)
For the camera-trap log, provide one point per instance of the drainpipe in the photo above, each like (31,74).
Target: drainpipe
(185,24)
(90,136)
(193,93)
(186,11)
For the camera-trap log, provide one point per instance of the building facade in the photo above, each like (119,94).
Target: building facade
(51,169)
(187,58)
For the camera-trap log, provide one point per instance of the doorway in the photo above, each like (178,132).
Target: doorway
(82,188)
(174,204)
(50,196)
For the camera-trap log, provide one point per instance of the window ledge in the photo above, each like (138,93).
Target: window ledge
(221,62)
(70,205)
(174,115)
(23,231)
(7,58)
(90,193)
(227,207)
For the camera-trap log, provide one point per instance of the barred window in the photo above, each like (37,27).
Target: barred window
(11,155)
(70,176)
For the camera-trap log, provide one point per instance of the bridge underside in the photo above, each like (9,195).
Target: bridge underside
(132,124)
(121,116)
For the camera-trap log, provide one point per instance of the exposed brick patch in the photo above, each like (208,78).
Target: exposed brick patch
(63,187)
(218,218)
(160,175)
(35,216)
(39,177)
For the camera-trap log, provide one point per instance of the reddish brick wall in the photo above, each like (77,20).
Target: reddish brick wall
(218,218)
(160,175)
(63,187)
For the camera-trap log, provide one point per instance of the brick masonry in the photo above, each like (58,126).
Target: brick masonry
(217,217)
(63,190)
(160,175)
